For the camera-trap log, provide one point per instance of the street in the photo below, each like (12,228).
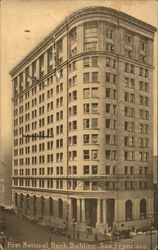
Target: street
(24,234)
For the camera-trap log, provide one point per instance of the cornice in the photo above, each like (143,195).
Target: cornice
(74,17)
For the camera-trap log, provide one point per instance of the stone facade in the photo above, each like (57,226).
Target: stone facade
(86,92)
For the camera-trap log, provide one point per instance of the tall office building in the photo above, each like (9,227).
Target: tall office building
(83,123)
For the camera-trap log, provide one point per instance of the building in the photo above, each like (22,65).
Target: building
(5,150)
(1,186)
(83,119)
(155,182)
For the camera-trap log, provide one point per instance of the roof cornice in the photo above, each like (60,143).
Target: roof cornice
(75,16)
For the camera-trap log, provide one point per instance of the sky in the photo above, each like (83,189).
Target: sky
(41,17)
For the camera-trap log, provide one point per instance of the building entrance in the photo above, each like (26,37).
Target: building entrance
(74,209)
(110,207)
(91,212)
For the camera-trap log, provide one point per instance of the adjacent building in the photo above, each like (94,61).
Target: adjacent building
(83,123)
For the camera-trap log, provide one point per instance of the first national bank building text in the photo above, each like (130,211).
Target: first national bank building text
(83,124)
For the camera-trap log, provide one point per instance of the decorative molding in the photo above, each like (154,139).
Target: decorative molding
(74,17)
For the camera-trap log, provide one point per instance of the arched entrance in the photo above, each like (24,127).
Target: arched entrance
(128,210)
(60,207)
(50,206)
(143,209)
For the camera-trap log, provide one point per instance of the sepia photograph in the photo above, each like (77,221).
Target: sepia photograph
(78,124)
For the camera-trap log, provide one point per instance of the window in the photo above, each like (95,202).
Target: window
(132,69)
(94,169)
(86,155)
(86,139)
(74,125)
(86,124)
(94,61)
(146,73)
(126,97)
(86,62)
(94,108)
(90,36)
(94,155)
(41,65)
(109,47)
(94,139)
(86,108)
(126,170)
(74,169)
(107,92)
(109,33)
(146,87)
(107,123)
(132,83)
(86,169)
(86,185)
(128,53)
(107,108)
(108,62)
(128,39)
(50,58)
(94,92)
(86,93)
(94,123)
(107,77)
(126,155)
(94,76)
(140,71)
(107,169)
(108,139)
(86,78)
(91,46)
(131,170)
(108,154)
(142,45)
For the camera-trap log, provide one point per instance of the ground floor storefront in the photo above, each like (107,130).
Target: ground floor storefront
(87,214)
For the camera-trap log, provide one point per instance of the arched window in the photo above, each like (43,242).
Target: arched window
(50,206)
(16,199)
(42,205)
(60,205)
(128,210)
(143,209)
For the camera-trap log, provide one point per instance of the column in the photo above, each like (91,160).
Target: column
(45,62)
(25,207)
(98,210)
(46,207)
(104,211)
(136,210)
(78,210)
(38,206)
(150,207)
(70,208)
(83,210)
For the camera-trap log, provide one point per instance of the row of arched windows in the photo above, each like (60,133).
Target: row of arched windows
(42,203)
(129,210)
